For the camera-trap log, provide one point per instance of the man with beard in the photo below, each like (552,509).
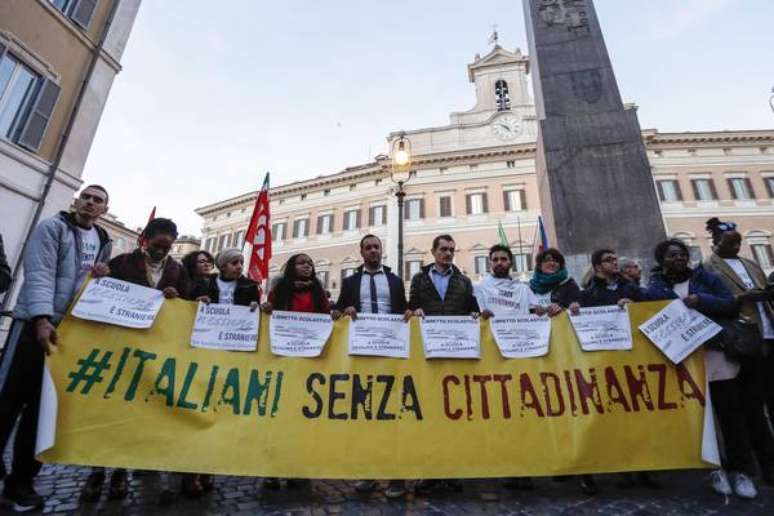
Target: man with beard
(498,294)
(60,254)
(373,289)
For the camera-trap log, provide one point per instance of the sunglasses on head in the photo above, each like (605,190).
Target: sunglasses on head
(727,226)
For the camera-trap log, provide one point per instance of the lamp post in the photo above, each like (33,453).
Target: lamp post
(400,174)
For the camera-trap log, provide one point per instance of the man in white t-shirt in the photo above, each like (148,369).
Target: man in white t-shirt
(498,294)
(58,255)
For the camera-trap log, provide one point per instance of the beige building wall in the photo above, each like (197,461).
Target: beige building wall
(56,42)
(184,245)
(475,156)
(124,238)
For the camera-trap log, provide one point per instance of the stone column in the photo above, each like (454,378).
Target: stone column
(595,182)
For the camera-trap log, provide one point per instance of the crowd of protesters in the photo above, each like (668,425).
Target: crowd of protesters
(64,249)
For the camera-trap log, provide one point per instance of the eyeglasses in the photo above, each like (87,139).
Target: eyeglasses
(609,259)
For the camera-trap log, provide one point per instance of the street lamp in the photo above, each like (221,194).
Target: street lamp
(400,174)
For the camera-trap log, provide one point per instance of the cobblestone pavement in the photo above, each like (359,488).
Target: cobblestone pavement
(684,492)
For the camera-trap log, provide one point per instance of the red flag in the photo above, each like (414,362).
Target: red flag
(259,235)
(141,238)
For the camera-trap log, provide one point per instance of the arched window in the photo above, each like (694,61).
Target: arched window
(502,97)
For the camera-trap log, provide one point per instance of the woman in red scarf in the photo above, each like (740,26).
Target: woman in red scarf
(298,290)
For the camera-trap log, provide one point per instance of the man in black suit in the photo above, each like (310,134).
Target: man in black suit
(373,289)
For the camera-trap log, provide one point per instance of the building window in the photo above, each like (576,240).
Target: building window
(473,167)
(17,84)
(351,220)
(80,11)
(239,239)
(510,163)
(481,264)
(445,206)
(412,267)
(223,241)
(347,272)
(763,255)
(377,216)
(704,189)
(26,102)
(476,204)
(669,190)
(300,228)
(278,232)
(352,186)
(695,255)
(502,97)
(377,182)
(414,209)
(740,187)
(443,169)
(515,200)
(769,182)
(325,224)
(303,196)
(210,245)
(522,262)
(323,277)
(326,192)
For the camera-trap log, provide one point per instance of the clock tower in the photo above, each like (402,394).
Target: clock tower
(503,114)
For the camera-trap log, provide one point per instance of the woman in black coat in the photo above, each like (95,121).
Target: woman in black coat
(229,286)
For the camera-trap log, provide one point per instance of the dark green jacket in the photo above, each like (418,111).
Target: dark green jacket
(459,296)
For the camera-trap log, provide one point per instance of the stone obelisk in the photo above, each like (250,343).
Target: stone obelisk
(596,187)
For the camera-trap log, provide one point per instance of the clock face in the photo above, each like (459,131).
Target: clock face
(506,127)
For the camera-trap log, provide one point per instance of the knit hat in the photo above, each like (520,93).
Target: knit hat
(227,256)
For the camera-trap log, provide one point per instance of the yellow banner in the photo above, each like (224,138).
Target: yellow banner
(145,399)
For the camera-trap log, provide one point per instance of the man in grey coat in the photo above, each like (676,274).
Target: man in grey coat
(60,253)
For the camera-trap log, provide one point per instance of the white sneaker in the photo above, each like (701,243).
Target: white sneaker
(744,486)
(719,483)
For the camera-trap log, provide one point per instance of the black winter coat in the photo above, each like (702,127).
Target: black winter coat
(598,292)
(566,293)
(350,292)
(246,290)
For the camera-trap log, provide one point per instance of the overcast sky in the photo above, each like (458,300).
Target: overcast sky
(212,94)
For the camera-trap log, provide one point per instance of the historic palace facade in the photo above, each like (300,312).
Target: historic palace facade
(479,171)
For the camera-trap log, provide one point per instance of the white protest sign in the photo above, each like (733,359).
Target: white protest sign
(113,301)
(678,330)
(380,335)
(226,327)
(451,337)
(603,328)
(299,334)
(521,336)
